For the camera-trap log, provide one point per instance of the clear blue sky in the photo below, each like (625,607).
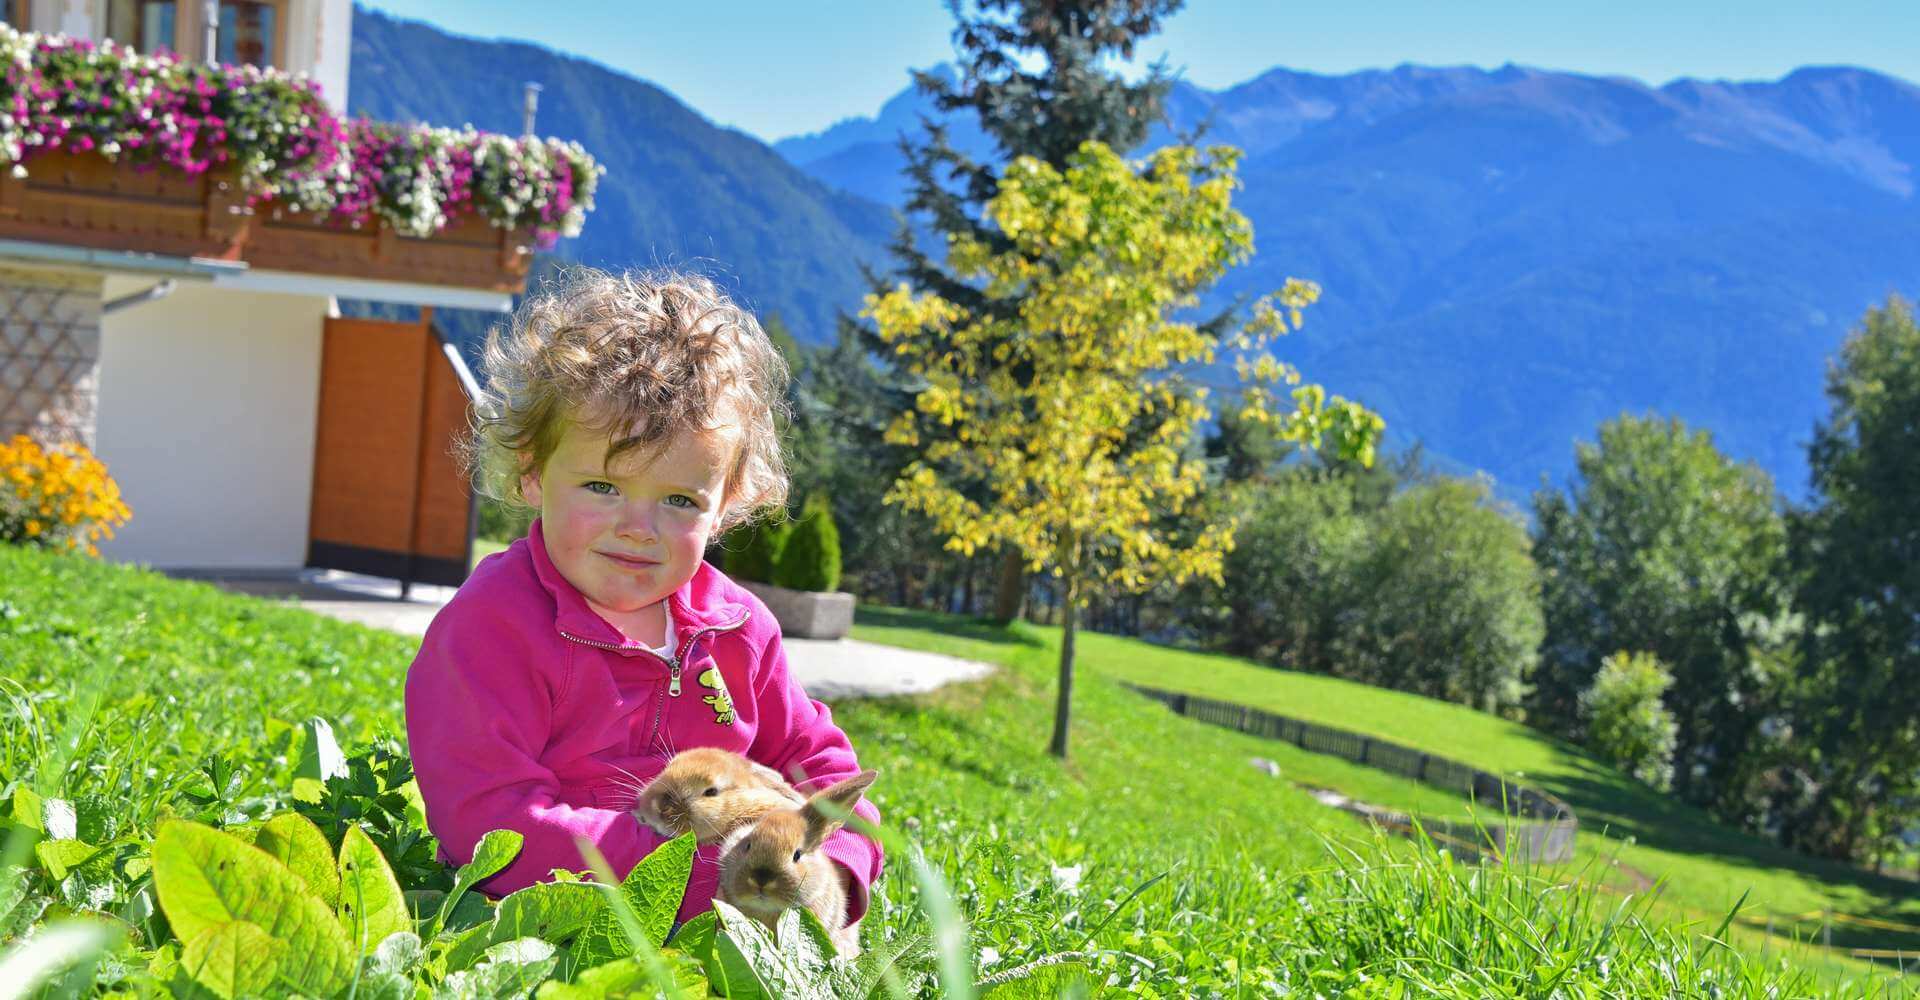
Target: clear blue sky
(783,67)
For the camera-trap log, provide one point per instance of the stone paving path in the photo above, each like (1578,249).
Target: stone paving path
(830,669)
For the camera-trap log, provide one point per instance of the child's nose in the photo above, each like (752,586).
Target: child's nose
(636,520)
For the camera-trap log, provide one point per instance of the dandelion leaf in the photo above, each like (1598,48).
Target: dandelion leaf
(232,959)
(654,890)
(371,905)
(294,841)
(205,879)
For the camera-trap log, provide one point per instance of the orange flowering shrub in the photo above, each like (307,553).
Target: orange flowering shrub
(61,497)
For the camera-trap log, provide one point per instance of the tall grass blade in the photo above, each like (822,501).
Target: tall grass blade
(52,950)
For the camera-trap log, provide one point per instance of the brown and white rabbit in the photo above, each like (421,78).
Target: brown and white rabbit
(776,864)
(711,792)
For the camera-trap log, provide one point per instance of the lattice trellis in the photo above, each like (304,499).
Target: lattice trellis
(49,361)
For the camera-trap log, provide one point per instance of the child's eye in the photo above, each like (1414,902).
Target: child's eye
(605,489)
(691,504)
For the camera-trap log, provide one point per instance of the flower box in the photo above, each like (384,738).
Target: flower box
(806,614)
(83,199)
(106,148)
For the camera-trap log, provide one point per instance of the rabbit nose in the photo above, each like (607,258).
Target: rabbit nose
(763,876)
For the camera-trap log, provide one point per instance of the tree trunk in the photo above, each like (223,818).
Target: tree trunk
(966,605)
(1011,590)
(1063,705)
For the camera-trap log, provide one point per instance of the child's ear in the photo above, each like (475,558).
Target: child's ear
(529,482)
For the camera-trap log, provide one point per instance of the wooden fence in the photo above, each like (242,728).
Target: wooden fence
(1538,826)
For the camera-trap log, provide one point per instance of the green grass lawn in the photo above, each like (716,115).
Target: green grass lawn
(1703,867)
(1264,888)
(484,547)
(1707,866)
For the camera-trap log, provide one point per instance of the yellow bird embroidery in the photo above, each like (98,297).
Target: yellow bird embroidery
(721,701)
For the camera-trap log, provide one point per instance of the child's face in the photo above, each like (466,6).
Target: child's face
(629,535)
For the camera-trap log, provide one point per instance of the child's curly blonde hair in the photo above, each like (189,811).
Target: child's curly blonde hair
(644,356)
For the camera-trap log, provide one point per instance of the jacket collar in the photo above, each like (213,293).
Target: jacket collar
(697,604)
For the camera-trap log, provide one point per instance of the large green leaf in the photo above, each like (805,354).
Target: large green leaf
(654,889)
(205,878)
(232,959)
(494,852)
(800,934)
(510,969)
(399,953)
(320,756)
(1043,982)
(371,905)
(467,947)
(59,858)
(294,841)
(550,911)
(28,809)
(628,978)
(752,961)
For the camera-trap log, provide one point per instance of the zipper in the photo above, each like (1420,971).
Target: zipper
(686,648)
(675,661)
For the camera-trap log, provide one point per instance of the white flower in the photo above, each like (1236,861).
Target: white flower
(989,956)
(1066,879)
(19,172)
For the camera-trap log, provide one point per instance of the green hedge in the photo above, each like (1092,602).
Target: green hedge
(810,559)
(753,549)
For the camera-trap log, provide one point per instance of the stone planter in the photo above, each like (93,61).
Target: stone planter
(806,614)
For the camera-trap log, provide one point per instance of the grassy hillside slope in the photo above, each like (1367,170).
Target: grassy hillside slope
(1706,866)
(1264,889)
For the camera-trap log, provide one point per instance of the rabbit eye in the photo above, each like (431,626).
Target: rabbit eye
(711,792)
(796,857)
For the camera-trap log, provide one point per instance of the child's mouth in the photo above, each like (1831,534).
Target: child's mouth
(630,562)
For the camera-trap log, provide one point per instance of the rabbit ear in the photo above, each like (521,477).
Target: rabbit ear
(767,774)
(828,809)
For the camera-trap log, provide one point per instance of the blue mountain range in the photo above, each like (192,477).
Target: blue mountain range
(1509,257)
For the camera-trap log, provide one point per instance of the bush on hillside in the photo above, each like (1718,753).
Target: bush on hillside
(1626,721)
(753,549)
(810,559)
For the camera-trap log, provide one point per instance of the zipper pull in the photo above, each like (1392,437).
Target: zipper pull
(673,678)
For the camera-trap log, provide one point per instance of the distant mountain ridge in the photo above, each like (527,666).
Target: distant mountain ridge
(1511,256)
(679,190)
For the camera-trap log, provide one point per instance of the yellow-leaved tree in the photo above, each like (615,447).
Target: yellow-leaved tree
(1039,408)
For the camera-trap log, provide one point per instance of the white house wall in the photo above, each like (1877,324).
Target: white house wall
(207,411)
(319,43)
(319,34)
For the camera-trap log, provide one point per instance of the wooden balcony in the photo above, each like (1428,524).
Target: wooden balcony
(86,200)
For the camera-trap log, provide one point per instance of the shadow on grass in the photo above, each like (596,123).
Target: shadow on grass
(959,626)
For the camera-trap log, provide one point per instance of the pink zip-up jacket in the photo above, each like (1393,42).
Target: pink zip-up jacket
(527,711)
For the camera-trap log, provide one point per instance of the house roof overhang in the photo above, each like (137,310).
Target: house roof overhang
(241,276)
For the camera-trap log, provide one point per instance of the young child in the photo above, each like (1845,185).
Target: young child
(635,414)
